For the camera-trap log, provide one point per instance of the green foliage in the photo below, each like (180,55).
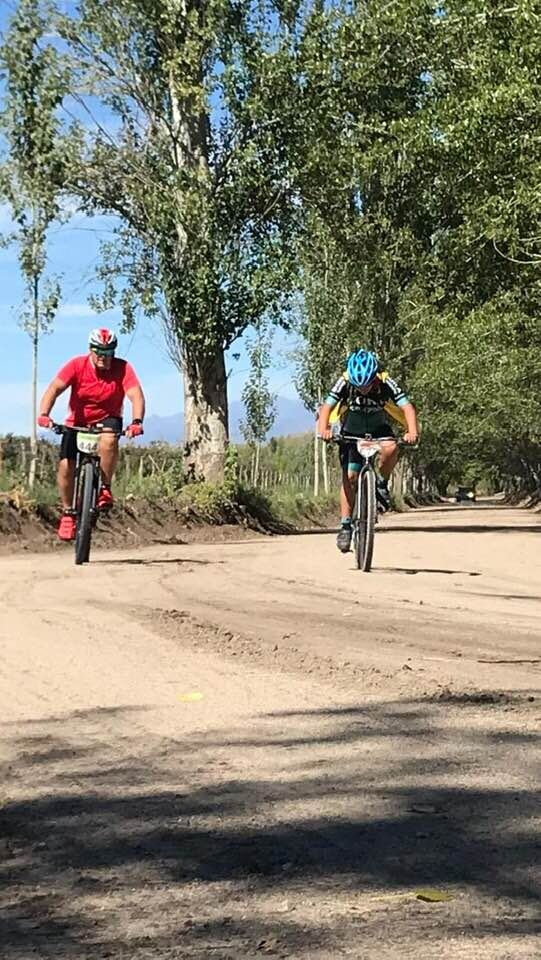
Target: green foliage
(156,485)
(470,322)
(424,178)
(363,87)
(35,154)
(187,164)
(287,455)
(286,464)
(206,499)
(302,509)
(368,174)
(259,402)
(325,318)
(35,81)
(231,468)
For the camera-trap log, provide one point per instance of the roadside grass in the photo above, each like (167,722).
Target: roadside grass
(231,502)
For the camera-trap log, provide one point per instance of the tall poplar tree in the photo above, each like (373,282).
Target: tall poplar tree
(31,171)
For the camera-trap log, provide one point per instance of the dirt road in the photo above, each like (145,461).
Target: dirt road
(250,749)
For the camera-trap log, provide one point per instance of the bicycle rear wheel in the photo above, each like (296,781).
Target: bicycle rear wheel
(366,519)
(84,513)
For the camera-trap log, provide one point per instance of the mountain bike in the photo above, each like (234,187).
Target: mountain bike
(365,514)
(87,484)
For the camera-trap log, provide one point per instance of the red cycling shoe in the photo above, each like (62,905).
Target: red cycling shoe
(66,527)
(105,499)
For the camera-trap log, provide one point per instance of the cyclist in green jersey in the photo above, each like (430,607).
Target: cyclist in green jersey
(368,402)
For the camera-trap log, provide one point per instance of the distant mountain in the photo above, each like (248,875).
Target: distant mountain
(292,417)
(166,429)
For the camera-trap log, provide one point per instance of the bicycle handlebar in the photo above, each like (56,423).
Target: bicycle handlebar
(345,438)
(97,428)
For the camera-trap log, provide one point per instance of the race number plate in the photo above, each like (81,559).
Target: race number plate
(366,449)
(88,442)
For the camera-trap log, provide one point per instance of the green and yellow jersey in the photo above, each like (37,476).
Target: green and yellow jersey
(382,402)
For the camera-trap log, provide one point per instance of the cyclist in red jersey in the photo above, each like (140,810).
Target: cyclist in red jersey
(99,382)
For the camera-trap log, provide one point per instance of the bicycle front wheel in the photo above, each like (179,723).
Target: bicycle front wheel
(84,513)
(366,520)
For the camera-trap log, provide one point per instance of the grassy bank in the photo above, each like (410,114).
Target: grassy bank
(154,474)
(193,505)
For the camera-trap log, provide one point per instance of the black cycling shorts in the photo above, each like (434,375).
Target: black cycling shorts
(68,447)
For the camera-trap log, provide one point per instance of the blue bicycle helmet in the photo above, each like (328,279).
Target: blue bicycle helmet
(362,367)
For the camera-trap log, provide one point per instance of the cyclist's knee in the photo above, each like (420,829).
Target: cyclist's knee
(108,441)
(389,451)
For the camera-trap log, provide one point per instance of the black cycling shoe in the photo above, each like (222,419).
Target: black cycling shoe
(382,495)
(343,540)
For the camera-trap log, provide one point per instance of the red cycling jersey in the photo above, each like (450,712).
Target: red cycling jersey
(96,394)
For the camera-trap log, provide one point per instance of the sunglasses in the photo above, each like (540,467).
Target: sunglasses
(102,353)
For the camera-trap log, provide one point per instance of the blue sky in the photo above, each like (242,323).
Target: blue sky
(73,253)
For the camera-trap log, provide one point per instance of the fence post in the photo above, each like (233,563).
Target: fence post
(316,461)
(23,457)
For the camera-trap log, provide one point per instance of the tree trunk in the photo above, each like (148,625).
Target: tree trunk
(205,416)
(398,481)
(316,462)
(257,460)
(206,428)
(35,344)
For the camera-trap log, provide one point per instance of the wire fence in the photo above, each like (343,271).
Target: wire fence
(158,469)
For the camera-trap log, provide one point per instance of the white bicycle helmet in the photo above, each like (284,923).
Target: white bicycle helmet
(103,341)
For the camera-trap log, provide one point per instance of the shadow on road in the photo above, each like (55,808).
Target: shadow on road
(504,596)
(414,570)
(148,562)
(460,528)
(120,843)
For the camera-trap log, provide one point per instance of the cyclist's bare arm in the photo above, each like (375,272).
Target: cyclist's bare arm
(137,399)
(323,428)
(49,398)
(412,427)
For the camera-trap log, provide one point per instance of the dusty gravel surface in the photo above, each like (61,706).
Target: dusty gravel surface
(240,750)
